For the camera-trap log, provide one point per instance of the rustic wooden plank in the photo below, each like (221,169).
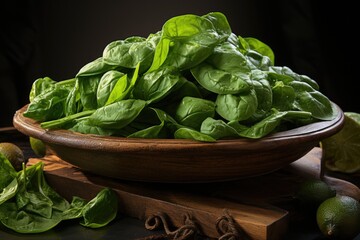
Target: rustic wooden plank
(256,204)
(143,200)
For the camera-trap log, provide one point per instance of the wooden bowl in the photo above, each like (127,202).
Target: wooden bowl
(179,161)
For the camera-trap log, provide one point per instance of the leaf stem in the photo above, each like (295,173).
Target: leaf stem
(61,121)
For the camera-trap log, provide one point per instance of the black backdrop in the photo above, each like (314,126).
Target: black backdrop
(56,38)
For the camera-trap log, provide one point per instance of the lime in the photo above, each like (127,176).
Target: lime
(13,153)
(341,151)
(37,146)
(312,192)
(339,217)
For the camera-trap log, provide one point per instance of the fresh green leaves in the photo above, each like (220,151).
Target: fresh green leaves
(129,52)
(193,79)
(101,210)
(187,40)
(191,111)
(29,205)
(117,115)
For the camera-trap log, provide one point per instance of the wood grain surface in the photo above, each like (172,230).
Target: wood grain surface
(262,207)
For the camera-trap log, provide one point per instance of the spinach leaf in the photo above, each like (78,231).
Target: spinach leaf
(270,123)
(146,125)
(261,128)
(283,96)
(75,209)
(39,197)
(236,107)
(29,205)
(188,133)
(9,191)
(285,72)
(226,71)
(96,67)
(228,58)
(220,23)
(107,85)
(48,106)
(218,129)
(250,44)
(155,85)
(101,210)
(73,101)
(88,87)
(169,121)
(264,94)
(84,126)
(36,207)
(41,85)
(22,221)
(154,131)
(8,180)
(309,100)
(219,81)
(129,52)
(191,112)
(117,115)
(123,87)
(7,172)
(187,40)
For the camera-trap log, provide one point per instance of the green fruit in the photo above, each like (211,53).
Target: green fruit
(313,192)
(13,153)
(341,151)
(37,146)
(339,217)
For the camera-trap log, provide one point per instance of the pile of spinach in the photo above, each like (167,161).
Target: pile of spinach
(193,79)
(29,205)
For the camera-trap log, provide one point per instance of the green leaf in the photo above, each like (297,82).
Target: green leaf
(236,107)
(35,207)
(88,88)
(111,87)
(187,133)
(218,129)
(154,86)
(191,111)
(117,115)
(24,222)
(188,39)
(119,92)
(129,52)
(48,106)
(283,96)
(263,127)
(309,100)
(219,81)
(101,210)
(7,172)
(150,132)
(72,102)
(75,210)
(96,67)
(9,191)
(84,126)
(260,47)
(40,86)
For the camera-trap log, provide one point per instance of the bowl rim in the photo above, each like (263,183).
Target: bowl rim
(311,132)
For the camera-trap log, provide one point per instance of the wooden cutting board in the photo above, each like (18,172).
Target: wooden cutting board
(260,206)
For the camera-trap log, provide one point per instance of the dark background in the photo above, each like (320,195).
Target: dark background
(41,38)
